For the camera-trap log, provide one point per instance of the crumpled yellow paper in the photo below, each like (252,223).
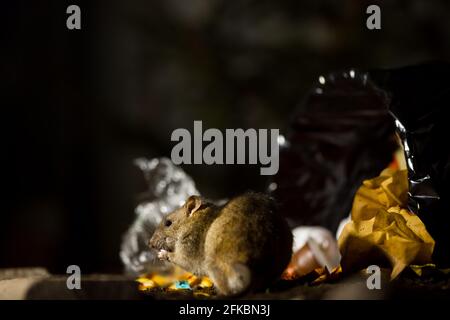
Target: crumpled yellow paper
(381,229)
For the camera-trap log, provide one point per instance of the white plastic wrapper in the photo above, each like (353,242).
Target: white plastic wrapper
(168,188)
(322,244)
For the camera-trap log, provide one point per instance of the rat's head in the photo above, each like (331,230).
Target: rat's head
(180,224)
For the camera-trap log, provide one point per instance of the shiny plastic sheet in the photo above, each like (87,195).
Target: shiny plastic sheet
(420,100)
(168,188)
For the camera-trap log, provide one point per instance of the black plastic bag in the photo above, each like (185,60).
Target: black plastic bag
(340,135)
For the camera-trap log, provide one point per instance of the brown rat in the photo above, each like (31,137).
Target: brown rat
(242,245)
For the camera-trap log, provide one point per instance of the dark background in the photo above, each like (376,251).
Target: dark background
(79,105)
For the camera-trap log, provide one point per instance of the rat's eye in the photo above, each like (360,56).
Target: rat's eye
(167,223)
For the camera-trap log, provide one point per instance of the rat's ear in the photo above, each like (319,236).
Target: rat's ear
(193,204)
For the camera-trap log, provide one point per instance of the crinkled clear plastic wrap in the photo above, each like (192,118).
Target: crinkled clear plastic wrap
(168,188)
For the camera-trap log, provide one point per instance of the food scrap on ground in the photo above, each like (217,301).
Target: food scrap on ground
(177,281)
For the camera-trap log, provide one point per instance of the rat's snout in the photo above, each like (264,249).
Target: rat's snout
(154,241)
(161,242)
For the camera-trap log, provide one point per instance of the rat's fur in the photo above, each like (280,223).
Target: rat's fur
(242,245)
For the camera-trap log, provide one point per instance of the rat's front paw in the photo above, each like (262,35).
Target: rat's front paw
(163,254)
